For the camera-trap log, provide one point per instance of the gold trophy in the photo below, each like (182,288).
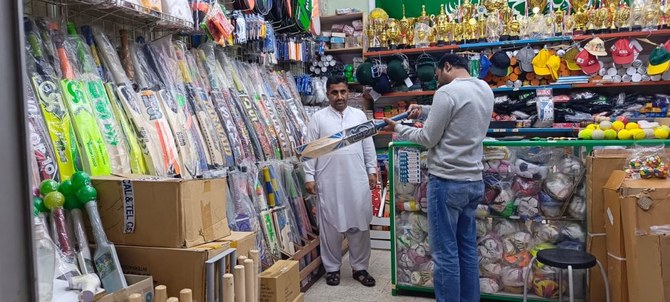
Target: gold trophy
(393,33)
(421,35)
(405,28)
(380,36)
(467,10)
(636,17)
(580,15)
(652,15)
(441,25)
(480,35)
(424,18)
(514,28)
(373,42)
(506,18)
(568,24)
(539,4)
(559,22)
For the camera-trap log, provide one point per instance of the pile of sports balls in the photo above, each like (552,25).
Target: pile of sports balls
(622,129)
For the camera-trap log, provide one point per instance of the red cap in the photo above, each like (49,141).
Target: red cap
(667,45)
(622,53)
(588,62)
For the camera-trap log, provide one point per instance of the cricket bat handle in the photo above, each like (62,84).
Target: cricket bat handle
(172,299)
(84,253)
(238,274)
(396,118)
(249,280)
(255,256)
(228,288)
(96,224)
(135,298)
(160,293)
(241,259)
(58,216)
(186,295)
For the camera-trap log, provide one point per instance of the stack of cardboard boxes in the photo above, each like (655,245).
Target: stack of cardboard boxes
(168,228)
(624,215)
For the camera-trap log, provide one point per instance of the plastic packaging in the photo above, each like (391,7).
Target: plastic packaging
(178,9)
(647,162)
(45,251)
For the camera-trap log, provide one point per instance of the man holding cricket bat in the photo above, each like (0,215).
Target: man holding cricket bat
(454,128)
(342,181)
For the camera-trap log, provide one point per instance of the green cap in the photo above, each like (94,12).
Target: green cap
(659,56)
(364,74)
(425,71)
(396,71)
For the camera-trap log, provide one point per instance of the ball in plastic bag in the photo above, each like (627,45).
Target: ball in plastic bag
(528,207)
(652,161)
(546,233)
(405,189)
(545,288)
(573,232)
(512,276)
(577,208)
(490,249)
(504,227)
(490,270)
(488,285)
(515,243)
(635,163)
(549,206)
(646,172)
(661,171)
(521,259)
(482,227)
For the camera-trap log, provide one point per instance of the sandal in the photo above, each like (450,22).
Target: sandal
(364,278)
(333,278)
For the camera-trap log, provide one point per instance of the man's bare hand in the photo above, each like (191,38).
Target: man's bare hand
(390,125)
(310,187)
(372,179)
(414,111)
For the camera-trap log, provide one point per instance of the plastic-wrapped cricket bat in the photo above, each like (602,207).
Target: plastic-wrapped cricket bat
(205,101)
(212,140)
(145,114)
(184,125)
(206,56)
(344,138)
(91,144)
(95,91)
(50,100)
(135,158)
(75,217)
(42,150)
(105,259)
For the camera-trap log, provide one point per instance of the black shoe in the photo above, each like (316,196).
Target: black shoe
(364,278)
(333,278)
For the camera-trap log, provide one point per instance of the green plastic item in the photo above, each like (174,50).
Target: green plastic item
(48,186)
(86,194)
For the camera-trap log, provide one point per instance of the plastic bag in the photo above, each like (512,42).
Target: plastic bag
(647,162)
(178,9)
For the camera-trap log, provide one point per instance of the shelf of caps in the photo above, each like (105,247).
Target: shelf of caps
(123,12)
(474,46)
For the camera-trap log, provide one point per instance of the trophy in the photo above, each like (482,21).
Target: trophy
(467,11)
(622,17)
(393,33)
(540,5)
(405,27)
(421,35)
(514,28)
(636,17)
(568,24)
(652,15)
(373,41)
(506,17)
(493,28)
(424,18)
(480,34)
(380,36)
(559,22)
(580,16)
(442,26)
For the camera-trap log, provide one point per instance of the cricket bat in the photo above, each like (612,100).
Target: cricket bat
(83,252)
(186,295)
(176,111)
(228,284)
(50,100)
(212,141)
(105,258)
(44,158)
(151,97)
(342,139)
(95,91)
(91,144)
(238,274)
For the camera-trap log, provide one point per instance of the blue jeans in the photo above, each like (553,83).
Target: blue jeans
(453,238)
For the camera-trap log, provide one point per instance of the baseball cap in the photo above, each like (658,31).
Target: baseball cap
(588,62)
(554,64)
(525,58)
(622,52)
(596,47)
(570,58)
(659,61)
(540,63)
(484,65)
(500,64)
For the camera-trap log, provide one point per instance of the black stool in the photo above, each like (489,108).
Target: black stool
(565,259)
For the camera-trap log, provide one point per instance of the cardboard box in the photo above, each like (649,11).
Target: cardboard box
(242,241)
(597,246)
(280,282)
(616,275)
(175,268)
(143,285)
(599,167)
(654,260)
(642,204)
(162,212)
(299,298)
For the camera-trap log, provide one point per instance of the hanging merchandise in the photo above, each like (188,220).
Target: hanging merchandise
(178,9)
(218,26)
(56,116)
(94,88)
(263,7)
(245,5)
(154,5)
(303,14)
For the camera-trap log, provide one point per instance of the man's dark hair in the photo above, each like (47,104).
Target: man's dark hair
(454,60)
(334,80)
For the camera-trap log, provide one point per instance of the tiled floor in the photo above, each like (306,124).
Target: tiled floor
(351,290)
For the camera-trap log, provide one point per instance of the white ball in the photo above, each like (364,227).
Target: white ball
(405,188)
(598,134)
(605,125)
(649,133)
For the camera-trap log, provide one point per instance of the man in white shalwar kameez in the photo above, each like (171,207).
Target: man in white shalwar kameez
(342,181)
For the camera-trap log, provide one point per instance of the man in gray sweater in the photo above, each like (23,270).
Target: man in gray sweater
(454,128)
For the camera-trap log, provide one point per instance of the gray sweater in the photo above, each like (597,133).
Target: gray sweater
(454,129)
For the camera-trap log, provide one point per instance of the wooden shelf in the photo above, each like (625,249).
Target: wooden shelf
(635,34)
(352,50)
(483,45)
(556,87)
(333,19)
